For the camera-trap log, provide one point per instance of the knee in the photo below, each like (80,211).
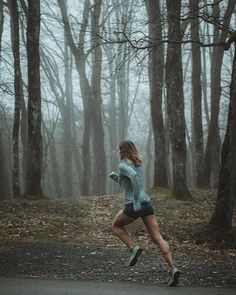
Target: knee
(115,229)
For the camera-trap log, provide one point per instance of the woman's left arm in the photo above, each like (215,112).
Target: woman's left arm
(114,176)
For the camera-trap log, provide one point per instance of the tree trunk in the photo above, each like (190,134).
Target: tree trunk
(123,109)
(13,6)
(197,95)
(168,141)
(97,122)
(122,64)
(175,99)
(76,151)
(149,156)
(56,179)
(78,166)
(80,60)
(212,151)
(45,156)
(67,124)
(24,140)
(5,193)
(204,87)
(156,71)
(223,214)
(1,28)
(112,119)
(24,117)
(87,102)
(65,104)
(34,163)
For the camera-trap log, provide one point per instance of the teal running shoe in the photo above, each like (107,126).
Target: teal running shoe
(174,277)
(135,253)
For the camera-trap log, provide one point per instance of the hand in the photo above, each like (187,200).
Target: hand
(137,206)
(112,174)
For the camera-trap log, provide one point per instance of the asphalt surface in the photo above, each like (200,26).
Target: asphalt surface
(33,286)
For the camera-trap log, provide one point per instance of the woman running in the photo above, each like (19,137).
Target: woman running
(137,204)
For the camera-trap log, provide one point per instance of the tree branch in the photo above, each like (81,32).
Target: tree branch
(67,27)
(230,41)
(201,44)
(4,3)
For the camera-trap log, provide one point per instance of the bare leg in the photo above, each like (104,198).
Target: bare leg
(119,230)
(154,232)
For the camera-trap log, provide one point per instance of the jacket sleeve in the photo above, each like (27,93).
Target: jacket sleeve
(114,176)
(131,173)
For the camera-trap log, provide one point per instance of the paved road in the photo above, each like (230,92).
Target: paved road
(32,286)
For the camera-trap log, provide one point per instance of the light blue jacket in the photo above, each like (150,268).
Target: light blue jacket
(130,179)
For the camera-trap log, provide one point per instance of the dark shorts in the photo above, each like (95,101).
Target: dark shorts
(146,209)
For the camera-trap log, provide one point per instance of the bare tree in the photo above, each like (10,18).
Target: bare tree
(13,6)
(1,27)
(55,175)
(175,100)
(80,61)
(91,99)
(122,88)
(226,195)
(156,73)
(34,163)
(97,123)
(149,156)
(111,121)
(198,155)
(24,141)
(67,121)
(5,183)
(212,151)
(23,122)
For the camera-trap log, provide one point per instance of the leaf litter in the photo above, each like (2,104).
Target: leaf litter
(72,239)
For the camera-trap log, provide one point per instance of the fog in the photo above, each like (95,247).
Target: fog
(112,90)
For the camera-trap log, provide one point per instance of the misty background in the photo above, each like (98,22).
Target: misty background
(96,82)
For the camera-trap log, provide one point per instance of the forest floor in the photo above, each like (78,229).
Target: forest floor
(72,239)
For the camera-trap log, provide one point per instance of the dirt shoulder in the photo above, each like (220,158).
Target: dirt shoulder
(73,240)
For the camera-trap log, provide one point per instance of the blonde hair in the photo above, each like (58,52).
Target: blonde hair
(129,151)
